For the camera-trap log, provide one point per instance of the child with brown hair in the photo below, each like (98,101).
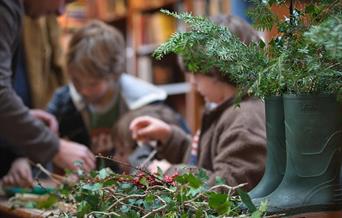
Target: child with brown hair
(231,141)
(100,92)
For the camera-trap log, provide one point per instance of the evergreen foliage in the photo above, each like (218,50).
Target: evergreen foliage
(209,46)
(304,58)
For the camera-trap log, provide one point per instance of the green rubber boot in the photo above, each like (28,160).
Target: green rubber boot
(313,126)
(276,152)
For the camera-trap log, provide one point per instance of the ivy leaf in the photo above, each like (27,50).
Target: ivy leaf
(126,186)
(125,209)
(246,200)
(92,187)
(93,173)
(149,199)
(219,202)
(65,190)
(202,175)
(109,182)
(193,181)
(181,179)
(219,180)
(195,191)
(103,173)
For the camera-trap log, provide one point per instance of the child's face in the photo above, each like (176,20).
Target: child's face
(212,89)
(93,90)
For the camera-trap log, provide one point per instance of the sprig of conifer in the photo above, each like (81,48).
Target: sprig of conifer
(207,46)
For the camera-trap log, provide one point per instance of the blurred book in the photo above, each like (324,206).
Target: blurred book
(154,28)
(162,26)
(74,17)
(108,10)
(145,68)
(162,75)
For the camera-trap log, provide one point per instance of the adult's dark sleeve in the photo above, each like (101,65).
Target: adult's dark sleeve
(27,135)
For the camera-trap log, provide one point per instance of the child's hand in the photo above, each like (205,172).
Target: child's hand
(161,164)
(20,174)
(146,128)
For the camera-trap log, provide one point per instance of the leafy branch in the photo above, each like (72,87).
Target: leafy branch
(208,46)
(305,58)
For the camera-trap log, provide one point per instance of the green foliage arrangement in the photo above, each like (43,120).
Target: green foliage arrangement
(305,58)
(207,46)
(106,194)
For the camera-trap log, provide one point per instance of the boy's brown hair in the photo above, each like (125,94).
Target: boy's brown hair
(97,50)
(238,27)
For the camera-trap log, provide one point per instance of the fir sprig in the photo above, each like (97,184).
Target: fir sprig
(208,46)
(305,58)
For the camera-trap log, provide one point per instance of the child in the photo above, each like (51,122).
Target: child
(126,150)
(100,92)
(232,140)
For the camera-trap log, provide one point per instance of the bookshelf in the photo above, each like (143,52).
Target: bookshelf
(144,28)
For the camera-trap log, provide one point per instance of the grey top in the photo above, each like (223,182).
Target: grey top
(27,135)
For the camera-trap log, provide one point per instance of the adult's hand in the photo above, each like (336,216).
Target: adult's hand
(146,128)
(20,174)
(71,152)
(47,118)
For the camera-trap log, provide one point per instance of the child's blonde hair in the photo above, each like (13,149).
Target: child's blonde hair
(97,50)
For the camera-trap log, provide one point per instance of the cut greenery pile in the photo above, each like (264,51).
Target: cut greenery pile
(107,194)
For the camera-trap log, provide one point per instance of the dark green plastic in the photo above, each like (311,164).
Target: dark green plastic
(313,126)
(276,152)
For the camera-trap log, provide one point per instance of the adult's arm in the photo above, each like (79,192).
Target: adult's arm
(28,135)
